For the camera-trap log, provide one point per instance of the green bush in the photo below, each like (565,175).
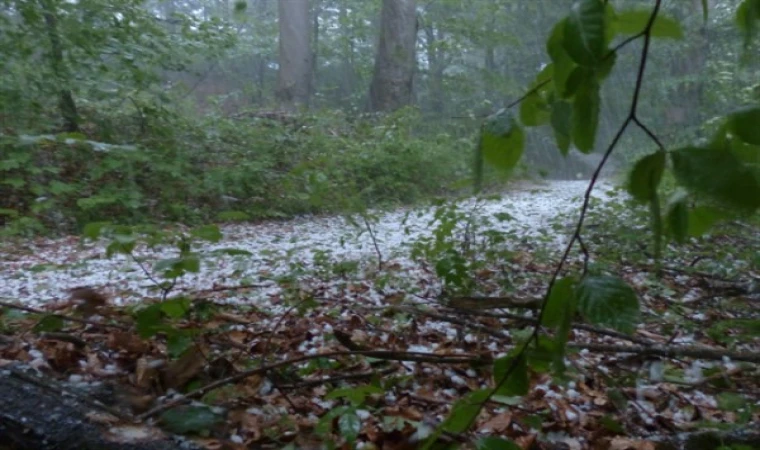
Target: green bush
(216,169)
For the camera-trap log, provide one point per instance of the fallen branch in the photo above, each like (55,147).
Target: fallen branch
(478,303)
(333,380)
(530,320)
(671,351)
(62,316)
(377,354)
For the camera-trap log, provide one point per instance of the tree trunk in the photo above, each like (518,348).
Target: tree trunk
(395,61)
(66,103)
(347,80)
(295,70)
(435,69)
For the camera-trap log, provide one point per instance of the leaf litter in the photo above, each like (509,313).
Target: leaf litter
(317,330)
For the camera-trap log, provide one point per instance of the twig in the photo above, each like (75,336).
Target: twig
(479,303)
(374,242)
(531,320)
(332,380)
(65,337)
(229,288)
(62,316)
(647,35)
(671,351)
(378,354)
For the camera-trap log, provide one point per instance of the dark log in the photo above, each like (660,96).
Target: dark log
(38,413)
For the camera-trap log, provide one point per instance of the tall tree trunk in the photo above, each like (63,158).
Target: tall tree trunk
(435,68)
(347,80)
(66,104)
(395,61)
(295,72)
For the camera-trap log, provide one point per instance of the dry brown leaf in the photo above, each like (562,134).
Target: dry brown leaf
(188,366)
(101,417)
(624,443)
(147,373)
(498,423)
(128,342)
(229,317)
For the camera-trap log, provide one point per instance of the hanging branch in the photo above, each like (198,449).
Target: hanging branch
(576,236)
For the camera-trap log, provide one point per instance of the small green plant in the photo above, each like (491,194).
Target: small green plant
(348,415)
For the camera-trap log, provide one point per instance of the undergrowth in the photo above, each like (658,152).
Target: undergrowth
(170,168)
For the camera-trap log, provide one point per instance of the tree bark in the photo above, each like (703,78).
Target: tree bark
(395,60)
(42,414)
(435,68)
(295,68)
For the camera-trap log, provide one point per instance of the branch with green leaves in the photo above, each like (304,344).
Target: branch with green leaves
(715,181)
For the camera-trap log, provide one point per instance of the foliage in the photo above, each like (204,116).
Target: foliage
(582,54)
(265,169)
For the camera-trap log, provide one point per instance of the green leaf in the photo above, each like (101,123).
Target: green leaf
(232,252)
(502,141)
(178,343)
(517,381)
(356,395)
(645,176)
(176,308)
(545,353)
(560,304)
(350,425)
(677,218)
(240,6)
(747,15)
(233,216)
(730,401)
(325,424)
(702,218)
(609,301)
(49,324)
(496,443)
(176,267)
(465,411)
(718,175)
(721,139)
(559,314)
(704,10)
(605,66)
(534,109)
(209,233)
(612,424)
(561,121)
(149,321)
(746,125)
(190,419)
(584,36)
(585,117)
(633,22)
(562,64)
(121,244)
(578,77)
(93,230)
(655,218)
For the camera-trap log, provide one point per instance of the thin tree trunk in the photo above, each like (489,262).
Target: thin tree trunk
(435,67)
(395,61)
(295,71)
(66,104)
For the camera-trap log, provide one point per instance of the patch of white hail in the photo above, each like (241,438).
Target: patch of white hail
(51,267)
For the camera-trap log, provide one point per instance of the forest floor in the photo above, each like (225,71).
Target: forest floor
(363,332)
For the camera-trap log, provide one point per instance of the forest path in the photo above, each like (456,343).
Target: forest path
(42,270)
